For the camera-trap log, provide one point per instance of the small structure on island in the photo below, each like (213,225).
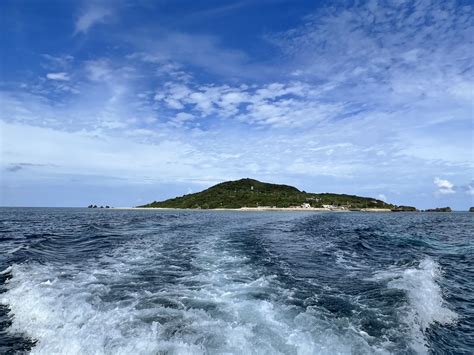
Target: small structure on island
(305,205)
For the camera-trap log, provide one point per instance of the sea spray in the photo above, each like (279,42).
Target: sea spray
(426,305)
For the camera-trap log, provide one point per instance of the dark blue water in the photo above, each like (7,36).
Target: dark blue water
(82,281)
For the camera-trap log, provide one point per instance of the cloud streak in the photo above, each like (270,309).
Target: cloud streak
(93,15)
(61,76)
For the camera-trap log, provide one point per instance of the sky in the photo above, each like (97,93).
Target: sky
(125,102)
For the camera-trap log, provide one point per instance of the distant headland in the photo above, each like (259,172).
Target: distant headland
(250,194)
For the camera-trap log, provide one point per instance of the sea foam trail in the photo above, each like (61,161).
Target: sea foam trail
(426,304)
(221,305)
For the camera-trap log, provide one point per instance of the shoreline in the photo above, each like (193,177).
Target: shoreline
(258,209)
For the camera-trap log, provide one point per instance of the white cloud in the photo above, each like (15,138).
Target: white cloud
(83,153)
(163,66)
(394,54)
(445,187)
(90,17)
(275,104)
(181,118)
(61,76)
(99,70)
(396,64)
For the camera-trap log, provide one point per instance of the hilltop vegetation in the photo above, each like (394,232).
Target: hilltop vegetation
(253,193)
(404,209)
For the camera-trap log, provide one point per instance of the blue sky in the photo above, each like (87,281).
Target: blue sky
(124,102)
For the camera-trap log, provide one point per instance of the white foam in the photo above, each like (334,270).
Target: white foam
(349,260)
(6,271)
(426,304)
(64,307)
(14,250)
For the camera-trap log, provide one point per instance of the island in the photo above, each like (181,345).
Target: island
(252,194)
(439,209)
(471,209)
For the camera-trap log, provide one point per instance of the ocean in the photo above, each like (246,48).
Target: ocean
(83,281)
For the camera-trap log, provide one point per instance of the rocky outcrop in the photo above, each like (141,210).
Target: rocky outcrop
(439,209)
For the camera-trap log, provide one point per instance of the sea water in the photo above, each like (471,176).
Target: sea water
(82,281)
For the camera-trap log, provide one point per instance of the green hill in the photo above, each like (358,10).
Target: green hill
(253,193)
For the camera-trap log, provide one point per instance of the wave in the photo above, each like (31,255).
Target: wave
(6,271)
(426,305)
